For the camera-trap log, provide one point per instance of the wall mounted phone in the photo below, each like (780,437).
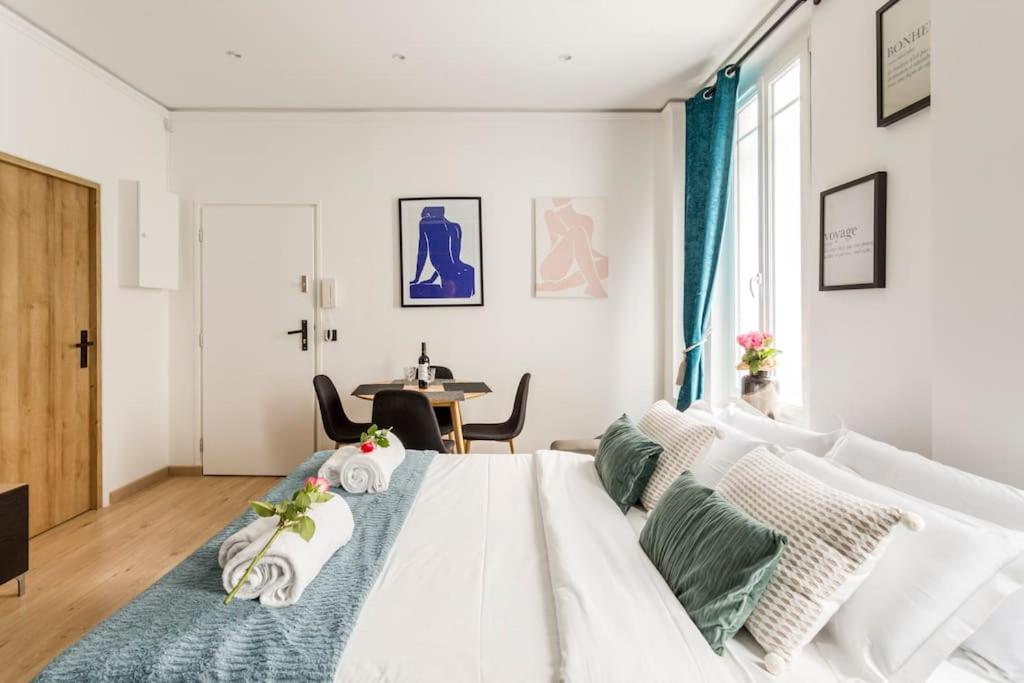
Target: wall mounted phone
(328,292)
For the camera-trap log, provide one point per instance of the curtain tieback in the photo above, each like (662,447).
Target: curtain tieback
(681,373)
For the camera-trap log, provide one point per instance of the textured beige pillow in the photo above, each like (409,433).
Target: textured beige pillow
(835,539)
(684,440)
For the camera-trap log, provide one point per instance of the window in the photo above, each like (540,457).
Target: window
(759,285)
(747,192)
(784,301)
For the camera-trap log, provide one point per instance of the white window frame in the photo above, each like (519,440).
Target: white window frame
(762,194)
(721,358)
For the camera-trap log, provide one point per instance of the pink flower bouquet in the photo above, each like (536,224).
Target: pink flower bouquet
(758,351)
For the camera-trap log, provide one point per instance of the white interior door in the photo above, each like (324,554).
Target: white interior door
(258,406)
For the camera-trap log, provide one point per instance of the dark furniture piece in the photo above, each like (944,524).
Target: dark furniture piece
(411,417)
(336,423)
(502,431)
(14,534)
(444,394)
(444,414)
(441,372)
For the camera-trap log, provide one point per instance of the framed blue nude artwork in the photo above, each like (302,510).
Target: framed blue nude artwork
(440,251)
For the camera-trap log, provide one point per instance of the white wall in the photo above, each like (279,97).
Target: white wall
(670,177)
(927,363)
(978,236)
(591,359)
(868,364)
(952,234)
(58,110)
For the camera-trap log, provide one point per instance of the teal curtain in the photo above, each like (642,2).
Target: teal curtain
(710,119)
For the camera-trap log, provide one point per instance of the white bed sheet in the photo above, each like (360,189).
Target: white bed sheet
(617,618)
(466,592)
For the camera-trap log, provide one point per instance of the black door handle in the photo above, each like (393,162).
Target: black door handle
(304,331)
(83,348)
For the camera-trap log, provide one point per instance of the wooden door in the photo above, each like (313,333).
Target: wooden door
(48,286)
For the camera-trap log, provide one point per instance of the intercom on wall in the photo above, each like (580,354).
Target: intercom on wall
(328,292)
(328,295)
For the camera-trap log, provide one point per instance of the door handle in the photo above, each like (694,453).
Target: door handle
(83,348)
(304,331)
(755,281)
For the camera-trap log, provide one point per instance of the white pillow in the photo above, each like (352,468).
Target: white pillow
(683,440)
(923,478)
(777,432)
(834,541)
(724,452)
(1000,641)
(930,591)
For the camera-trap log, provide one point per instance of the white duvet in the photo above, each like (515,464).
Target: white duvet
(518,568)
(617,618)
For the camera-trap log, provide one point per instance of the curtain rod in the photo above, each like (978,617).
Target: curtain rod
(764,36)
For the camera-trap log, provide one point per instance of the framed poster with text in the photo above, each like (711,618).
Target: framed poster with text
(904,59)
(852,251)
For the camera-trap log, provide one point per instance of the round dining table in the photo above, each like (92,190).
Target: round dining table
(446,393)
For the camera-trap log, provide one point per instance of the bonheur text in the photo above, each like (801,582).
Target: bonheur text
(909,39)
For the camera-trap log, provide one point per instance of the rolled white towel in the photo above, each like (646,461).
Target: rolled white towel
(331,469)
(291,564)
(237,541)
(358,472)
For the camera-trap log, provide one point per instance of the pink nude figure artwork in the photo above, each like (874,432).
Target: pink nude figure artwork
(569,237)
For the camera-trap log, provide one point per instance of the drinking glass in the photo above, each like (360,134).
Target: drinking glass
(431,373)
(410,374)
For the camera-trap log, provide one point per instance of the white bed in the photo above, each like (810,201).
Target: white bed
(484,585)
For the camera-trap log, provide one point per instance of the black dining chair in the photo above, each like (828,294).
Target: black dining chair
(502,431)
(444,415)
(410,417)
(337,424)
(441,372)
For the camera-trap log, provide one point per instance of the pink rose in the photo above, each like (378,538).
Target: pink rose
(318,484)
(754,341)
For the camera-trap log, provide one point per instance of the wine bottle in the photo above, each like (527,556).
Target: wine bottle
(423,369)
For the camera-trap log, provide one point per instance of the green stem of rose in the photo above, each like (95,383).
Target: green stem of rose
(255,561)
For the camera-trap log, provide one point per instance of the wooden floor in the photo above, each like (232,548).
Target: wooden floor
(85,569)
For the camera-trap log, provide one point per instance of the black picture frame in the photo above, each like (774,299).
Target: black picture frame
(403,283)
(883,120)
(878,213)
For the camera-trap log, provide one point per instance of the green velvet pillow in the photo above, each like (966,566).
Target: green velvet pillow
(625,460)
(716,559)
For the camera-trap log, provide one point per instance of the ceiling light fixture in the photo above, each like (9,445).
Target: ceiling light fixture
(565,58)
(398,56)
(233,54)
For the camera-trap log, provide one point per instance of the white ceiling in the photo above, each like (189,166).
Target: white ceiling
(461,54)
